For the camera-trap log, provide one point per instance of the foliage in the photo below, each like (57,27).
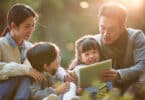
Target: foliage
(112,95)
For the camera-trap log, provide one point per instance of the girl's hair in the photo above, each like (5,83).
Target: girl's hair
(42,53)
(17,14)
(82,45)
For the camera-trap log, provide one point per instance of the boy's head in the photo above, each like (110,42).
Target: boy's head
(42,55)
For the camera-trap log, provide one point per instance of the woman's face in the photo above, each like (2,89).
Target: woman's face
(25,29)
(90,57)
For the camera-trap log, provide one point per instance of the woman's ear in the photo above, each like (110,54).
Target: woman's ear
(13,25)
(45,66)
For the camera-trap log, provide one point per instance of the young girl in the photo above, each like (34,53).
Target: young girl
(44,57)
(87,51)
(21,20)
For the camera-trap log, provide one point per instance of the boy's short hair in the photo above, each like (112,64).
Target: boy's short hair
(113,10)
(42,53)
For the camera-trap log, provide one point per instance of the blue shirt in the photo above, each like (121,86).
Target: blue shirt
(22,49)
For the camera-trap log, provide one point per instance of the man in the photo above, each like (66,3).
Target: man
(125,46)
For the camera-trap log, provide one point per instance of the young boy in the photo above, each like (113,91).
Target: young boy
(44,57)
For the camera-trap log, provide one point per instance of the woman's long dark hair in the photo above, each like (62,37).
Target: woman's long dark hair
(17,14)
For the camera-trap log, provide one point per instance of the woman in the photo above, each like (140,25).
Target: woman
(14,70)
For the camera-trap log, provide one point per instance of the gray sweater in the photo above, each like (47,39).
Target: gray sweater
(128,55)
(10,60)
(45,88)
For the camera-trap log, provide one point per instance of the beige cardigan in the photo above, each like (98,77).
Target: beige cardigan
(10,64)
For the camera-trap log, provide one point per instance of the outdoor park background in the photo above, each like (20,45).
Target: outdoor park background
(64,21)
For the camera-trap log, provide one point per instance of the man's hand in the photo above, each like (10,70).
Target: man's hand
(109,75)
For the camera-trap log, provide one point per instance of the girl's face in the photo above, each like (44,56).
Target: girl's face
(24,30)
(90,57)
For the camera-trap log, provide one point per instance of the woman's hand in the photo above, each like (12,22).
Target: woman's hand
(36,75)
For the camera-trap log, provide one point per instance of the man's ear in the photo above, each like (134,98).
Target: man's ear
(123,26)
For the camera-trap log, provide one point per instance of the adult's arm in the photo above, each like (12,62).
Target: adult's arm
(13,69)
(137,39)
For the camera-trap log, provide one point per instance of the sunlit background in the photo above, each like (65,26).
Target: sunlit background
(64,21)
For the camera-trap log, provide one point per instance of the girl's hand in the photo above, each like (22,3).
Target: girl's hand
(79,91)
(36,75)
(63,88)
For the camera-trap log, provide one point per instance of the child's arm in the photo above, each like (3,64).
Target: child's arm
(38,93)
(62,88)
(60,73)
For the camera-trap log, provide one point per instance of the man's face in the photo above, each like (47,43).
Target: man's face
(110,29)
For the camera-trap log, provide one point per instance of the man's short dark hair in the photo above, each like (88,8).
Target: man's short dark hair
(113,10)
(42,53)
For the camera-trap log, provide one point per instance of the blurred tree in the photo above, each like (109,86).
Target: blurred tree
(3,11)
(64,21)
(6,4)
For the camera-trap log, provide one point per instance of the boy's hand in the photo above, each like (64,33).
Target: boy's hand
(70,77)
(36,75)
(109,75)
(63,88)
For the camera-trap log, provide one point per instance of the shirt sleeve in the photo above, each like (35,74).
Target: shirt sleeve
(38,93)
(138,49)
(60,74)
(12,69)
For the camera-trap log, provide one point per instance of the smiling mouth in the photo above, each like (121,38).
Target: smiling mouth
(27,35)
(107,39)
(93,61)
